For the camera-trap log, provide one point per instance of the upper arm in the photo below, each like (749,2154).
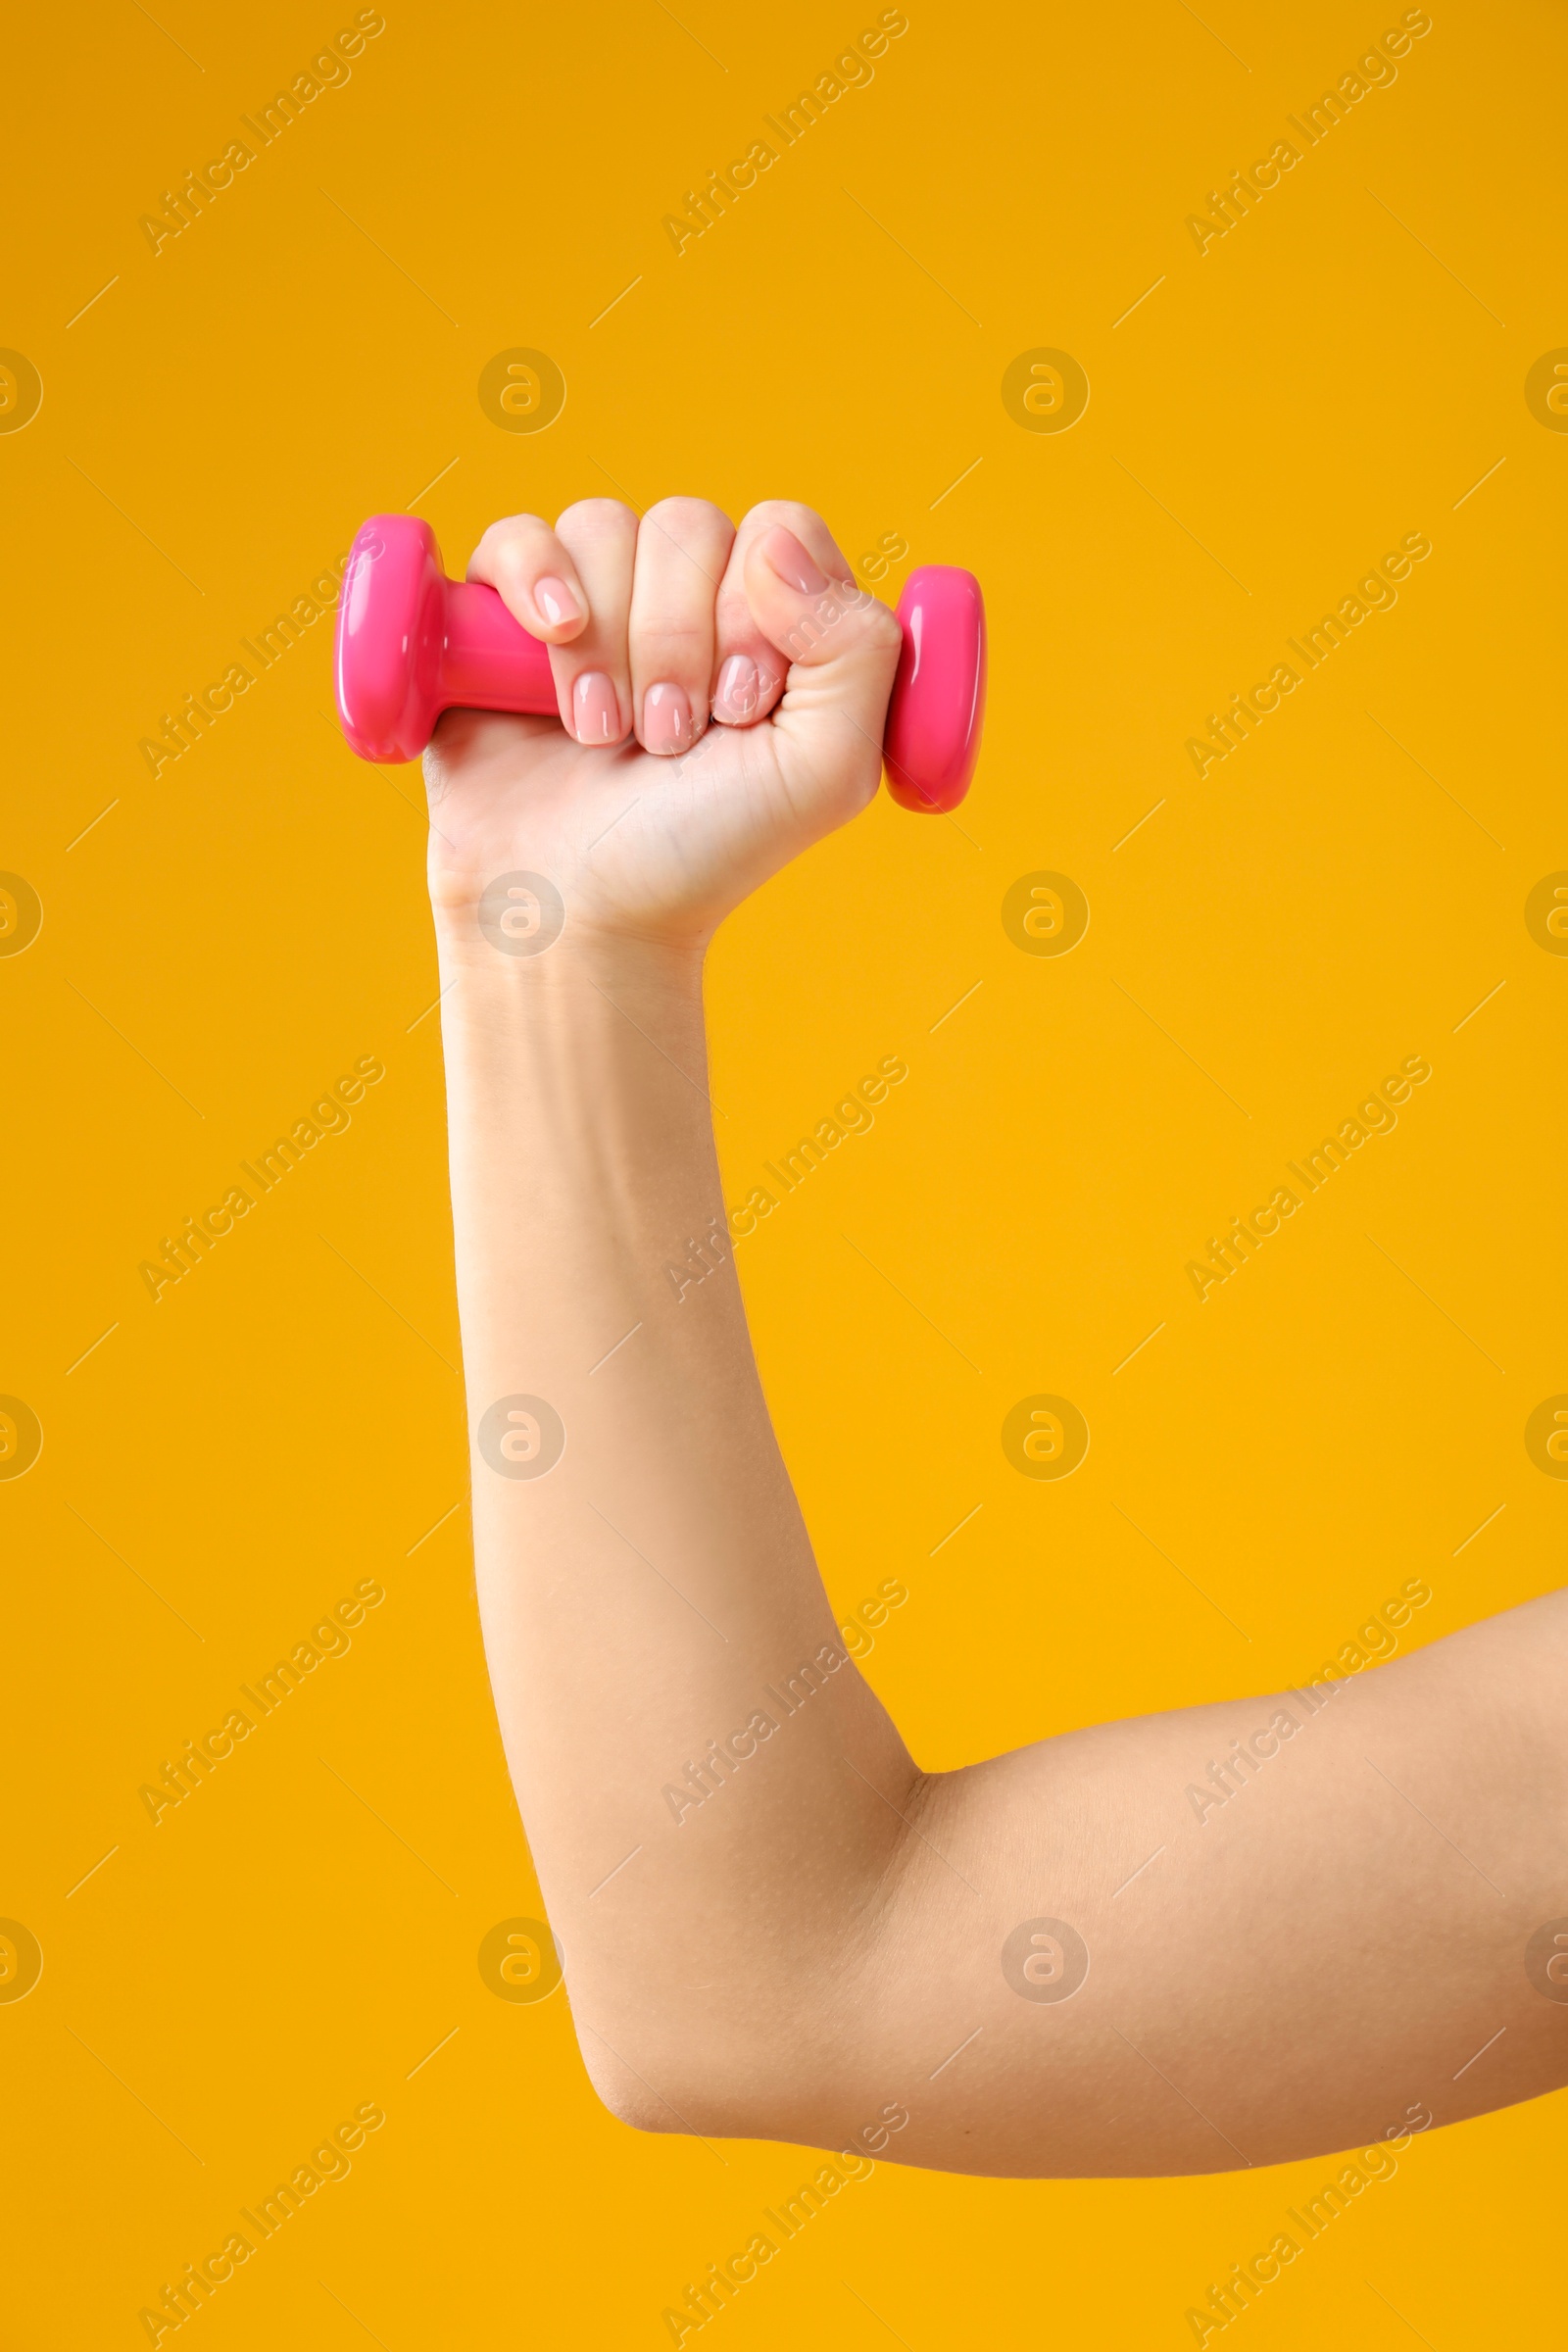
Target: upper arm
(1099,1956)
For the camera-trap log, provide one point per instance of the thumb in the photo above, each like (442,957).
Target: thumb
(843,646)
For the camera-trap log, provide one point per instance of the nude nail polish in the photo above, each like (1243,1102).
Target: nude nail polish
(666,718)
(739,687)
(789,558)
(556,601)
(595,708)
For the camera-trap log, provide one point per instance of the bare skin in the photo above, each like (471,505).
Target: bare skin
(1299,1968)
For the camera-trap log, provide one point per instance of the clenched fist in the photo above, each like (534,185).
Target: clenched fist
(722,696)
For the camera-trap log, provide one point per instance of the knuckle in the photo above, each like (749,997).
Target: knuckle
(517,547)
(677,631)
(688,518)
(510,528)
(598,518)
(789,512)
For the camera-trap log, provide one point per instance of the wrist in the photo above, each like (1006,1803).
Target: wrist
(487,967)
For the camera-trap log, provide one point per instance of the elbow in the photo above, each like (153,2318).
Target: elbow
(696,2084)
(743,2084)
(769,2025)
(681,2102)
(632,2101)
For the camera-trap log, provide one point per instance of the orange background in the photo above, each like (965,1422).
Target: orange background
(221,943)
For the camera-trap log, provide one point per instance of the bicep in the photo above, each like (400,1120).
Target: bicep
(1229,1936)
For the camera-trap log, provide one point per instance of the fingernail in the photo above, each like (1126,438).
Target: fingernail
(594,710)
(666,719)
(789,558)
(739,686)
(556,601)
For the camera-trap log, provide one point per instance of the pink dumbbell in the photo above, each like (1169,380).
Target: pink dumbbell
(411,643)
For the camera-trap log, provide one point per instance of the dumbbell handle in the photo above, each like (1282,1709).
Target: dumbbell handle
(489,662)
(411,643)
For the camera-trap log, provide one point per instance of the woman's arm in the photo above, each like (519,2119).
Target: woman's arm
(1189,1942)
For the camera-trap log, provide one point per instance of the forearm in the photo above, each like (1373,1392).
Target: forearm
(648,1600)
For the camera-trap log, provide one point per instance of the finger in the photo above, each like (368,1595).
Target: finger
(593,673)
(843,650)
(748,674)
(534,575)
(682,547)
